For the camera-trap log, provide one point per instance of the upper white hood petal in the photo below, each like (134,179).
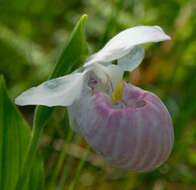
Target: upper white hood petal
(62,91)
(122,43)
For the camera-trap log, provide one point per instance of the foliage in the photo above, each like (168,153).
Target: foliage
(14,138)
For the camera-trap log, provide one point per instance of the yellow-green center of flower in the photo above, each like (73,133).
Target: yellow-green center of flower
(117,91)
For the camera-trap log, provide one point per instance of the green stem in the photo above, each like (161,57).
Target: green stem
(63,177)
(29,156)
(79,169)
(60,160)
(41,117)
(69,163)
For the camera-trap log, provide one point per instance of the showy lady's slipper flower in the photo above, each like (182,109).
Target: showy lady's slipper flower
(128,126)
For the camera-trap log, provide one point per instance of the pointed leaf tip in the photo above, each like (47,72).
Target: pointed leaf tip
(84,16)
(82,20)
(75,48)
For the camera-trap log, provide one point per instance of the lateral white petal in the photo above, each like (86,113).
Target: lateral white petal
(62,91)
(133,59)
(122,43)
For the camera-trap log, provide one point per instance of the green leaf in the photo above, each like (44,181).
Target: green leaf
(73,52)
(75,49)
(14,138)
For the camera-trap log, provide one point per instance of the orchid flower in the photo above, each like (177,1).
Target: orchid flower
(129,127)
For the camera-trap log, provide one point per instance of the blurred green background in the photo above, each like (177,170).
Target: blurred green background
(32,33)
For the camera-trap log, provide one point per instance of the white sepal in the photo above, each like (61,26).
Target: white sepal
(122,43)
(62,91)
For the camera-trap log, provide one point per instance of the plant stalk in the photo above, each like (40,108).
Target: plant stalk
(40,119)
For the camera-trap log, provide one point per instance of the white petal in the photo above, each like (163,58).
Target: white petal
(133,59)
(62,91)
(122,43)
(116,74)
